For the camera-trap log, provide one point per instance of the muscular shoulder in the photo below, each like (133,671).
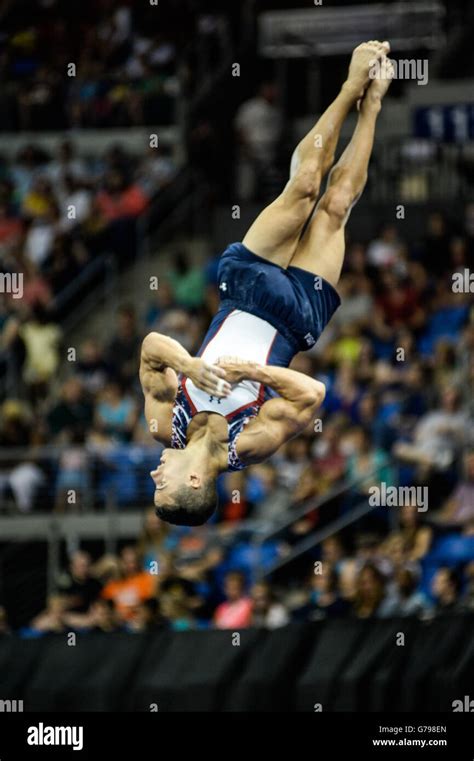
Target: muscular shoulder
(275,424)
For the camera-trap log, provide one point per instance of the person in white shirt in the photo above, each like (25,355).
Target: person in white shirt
(258,125)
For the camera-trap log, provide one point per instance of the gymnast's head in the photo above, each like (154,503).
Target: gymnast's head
(185,487)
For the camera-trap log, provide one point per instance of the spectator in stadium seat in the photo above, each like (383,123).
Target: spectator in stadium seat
(465,365)
(116,412)
(132,588)
(36,291)
(236,611)
(446,588)
(368,551)
(459,508)
(49,620)
(22,477)
(292,460)
(73,411)
(268,499)
(436,244)
(324,599)
(415,397)
(119,199)
(144,617)
(156,170)
(123,351)
(26,167)
(468,596)
(11,228)
(39,202)
(102,617)
(438,435)
(187,281)
(415,536)
(384,250)
(357,301)
(41,337)
(77,586)
(346,347)
(66,257)
(234,505)
(258,128)
(162,301)
(152,542)
(73,480)
(92,369)
(399,304)
(266,611)
(367,465)
(12,350)
(312,484)
(344,393)
(348,576)
(444,364)
(175,612)
(182,585)
(333,552)
(75,205)
(370,597)
(406,600)
(66,164)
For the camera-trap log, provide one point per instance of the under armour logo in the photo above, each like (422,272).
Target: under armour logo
(310,340)
(223,287)
(211,399)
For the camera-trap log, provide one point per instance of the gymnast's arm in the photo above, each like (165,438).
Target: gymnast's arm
(162,358)
(281,418)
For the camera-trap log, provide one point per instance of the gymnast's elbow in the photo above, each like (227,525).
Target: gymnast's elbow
(150,341)
(313,397)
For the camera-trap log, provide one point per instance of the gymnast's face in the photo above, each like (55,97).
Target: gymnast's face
(176,468)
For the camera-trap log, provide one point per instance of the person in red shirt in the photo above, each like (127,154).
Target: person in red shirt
(236,611)
(133,588)
(11,228)
(119,200)
(399,303)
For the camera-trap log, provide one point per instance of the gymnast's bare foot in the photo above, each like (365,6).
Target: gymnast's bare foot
(364,57)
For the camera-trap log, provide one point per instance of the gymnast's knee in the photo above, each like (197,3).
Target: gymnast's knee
(339,199)
(306,180)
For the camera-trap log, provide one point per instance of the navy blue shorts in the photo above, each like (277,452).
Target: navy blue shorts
(296,302)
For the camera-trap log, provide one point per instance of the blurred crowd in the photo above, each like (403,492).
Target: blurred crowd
(188,582)
(397,360)
(59,213)
(398,363)
(88,64)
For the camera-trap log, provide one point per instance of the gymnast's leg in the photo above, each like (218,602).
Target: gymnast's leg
(321,248)
(275,233)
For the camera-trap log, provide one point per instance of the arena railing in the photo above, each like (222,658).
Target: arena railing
(80,296)
(110,517)
(43,479)
(418,170)
(167,213)
(331,527)
(99,282)
(105,269)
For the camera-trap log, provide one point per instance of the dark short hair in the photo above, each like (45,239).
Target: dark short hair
(453,577)
(191,507)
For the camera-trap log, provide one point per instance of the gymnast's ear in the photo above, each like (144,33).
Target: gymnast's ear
(195,480)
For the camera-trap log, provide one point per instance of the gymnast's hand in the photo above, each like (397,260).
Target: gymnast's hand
(236,368)
(209,378)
